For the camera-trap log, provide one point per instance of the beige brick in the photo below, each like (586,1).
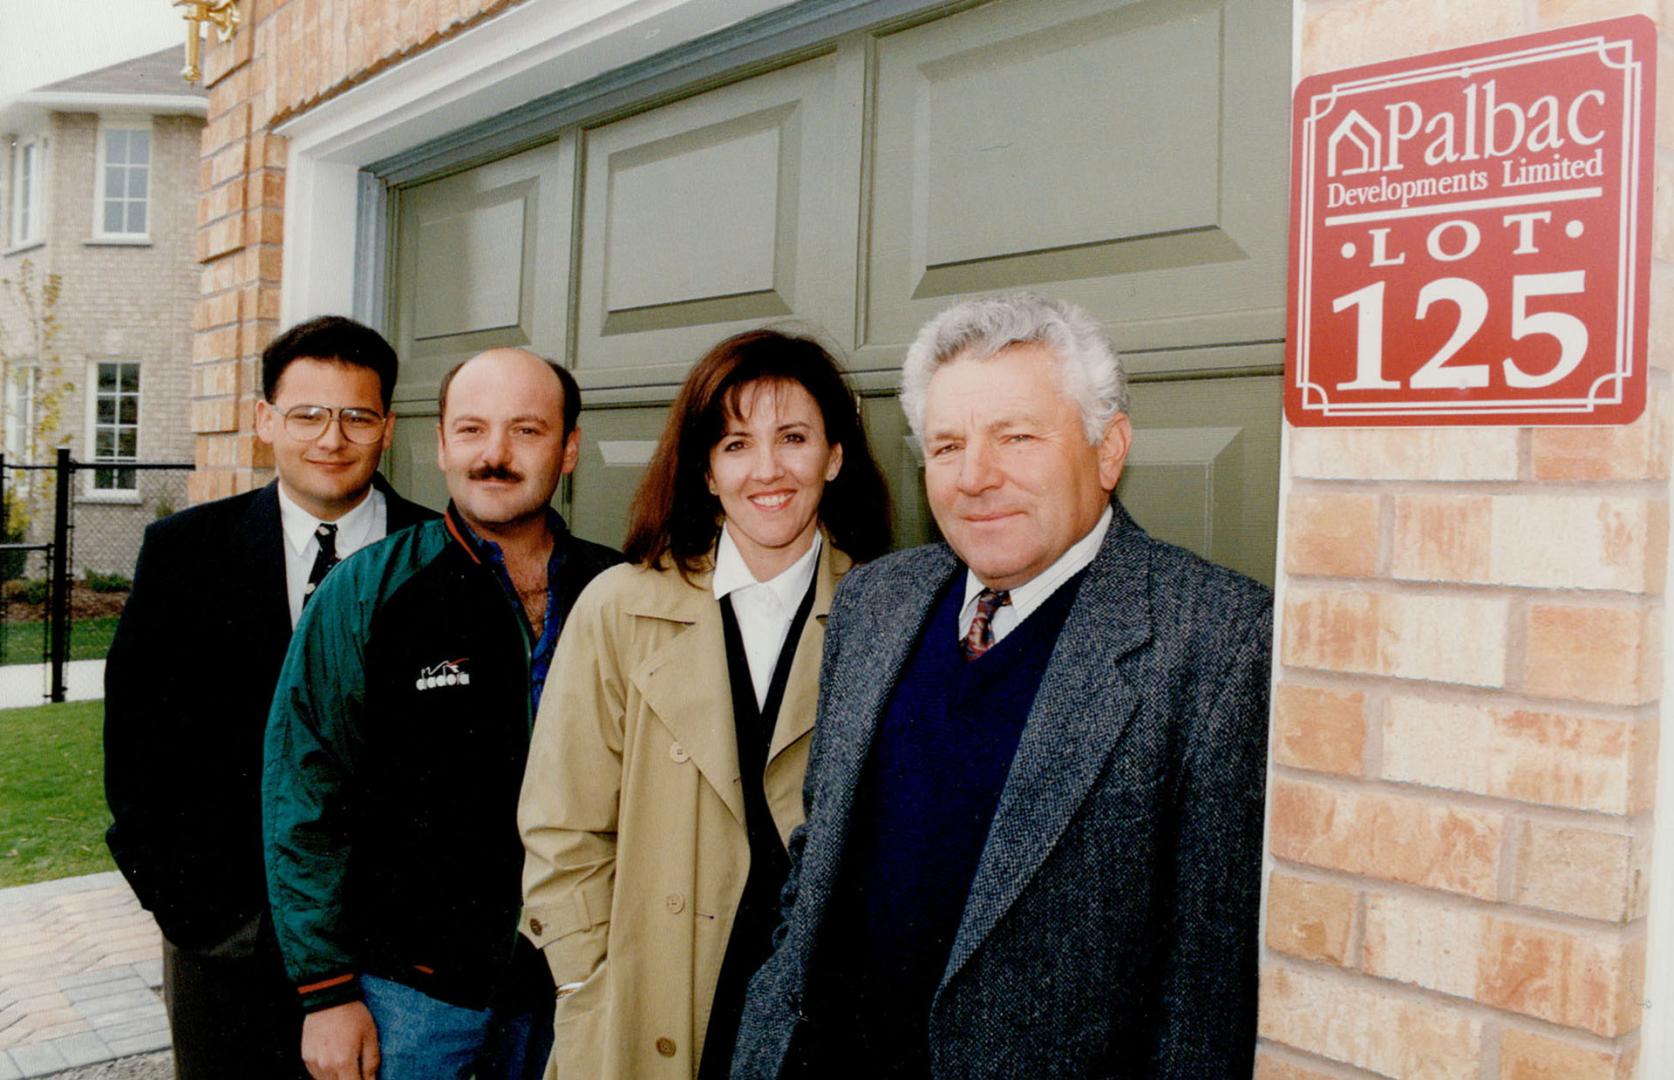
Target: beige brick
(214,416)
(221,344)
(229,163)
(1584,762)
(1528,1055)
(1359,32)
(1604,654)
(1636,451)
(1442,537)
(1569,12)
(1587,981)
(1458,639)
(1423,942)
(1660,339)
(1461,453)
(1663,214)
(1395,838)
(1351,1022)
(1579,542)
(1309,919)
(1271,1067)
(1548,541)
(204,487)
(1333,535)
(1665,88)
(264,226)
(1577,870)
(1322,730)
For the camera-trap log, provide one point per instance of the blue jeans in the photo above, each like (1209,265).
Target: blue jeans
(421,1038)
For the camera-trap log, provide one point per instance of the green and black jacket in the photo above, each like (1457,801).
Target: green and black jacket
(395,752)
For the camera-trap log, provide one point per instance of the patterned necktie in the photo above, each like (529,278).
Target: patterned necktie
(980,637)
(324,561)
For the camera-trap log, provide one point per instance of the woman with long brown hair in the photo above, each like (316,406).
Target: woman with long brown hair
(665,775)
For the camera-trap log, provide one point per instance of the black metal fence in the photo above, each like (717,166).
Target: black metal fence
(67,559)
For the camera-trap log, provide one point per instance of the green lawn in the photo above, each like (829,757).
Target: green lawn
(22,642)
(52,796)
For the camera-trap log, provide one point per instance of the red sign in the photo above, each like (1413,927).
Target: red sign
(1470,234)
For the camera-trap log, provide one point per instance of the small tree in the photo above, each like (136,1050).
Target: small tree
(35,302)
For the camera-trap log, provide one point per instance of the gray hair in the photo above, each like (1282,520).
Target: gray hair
(1091,372)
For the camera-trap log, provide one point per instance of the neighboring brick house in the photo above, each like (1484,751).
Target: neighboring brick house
(1471,670)
(98,185)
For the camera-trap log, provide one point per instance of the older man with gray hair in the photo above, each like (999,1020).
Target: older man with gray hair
(1033,844)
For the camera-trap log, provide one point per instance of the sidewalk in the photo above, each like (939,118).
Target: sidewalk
(26,684)
(80,962)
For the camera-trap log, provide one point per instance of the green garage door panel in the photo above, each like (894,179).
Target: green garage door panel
(616,444)
(410,462)
(481,262)
(1204,468)
(1130,158)
(715,214)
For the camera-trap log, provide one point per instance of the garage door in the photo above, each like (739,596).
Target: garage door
(1130,157)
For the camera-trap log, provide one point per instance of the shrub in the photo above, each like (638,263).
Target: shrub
(102,582)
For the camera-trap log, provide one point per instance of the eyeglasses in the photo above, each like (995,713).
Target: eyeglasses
(308,422)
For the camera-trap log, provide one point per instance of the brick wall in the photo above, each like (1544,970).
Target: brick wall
(289,55)
(1466,711)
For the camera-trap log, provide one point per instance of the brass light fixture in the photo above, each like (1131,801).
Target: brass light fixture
(223,14)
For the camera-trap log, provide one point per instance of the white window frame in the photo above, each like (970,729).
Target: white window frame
(22,237)
(91,491)
(108,124)
(19,428)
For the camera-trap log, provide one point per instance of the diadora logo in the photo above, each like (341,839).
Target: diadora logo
(447,673)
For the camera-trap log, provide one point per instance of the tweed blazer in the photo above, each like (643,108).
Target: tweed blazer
(1111,926)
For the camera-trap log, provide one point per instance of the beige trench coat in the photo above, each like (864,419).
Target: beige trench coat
(632,814)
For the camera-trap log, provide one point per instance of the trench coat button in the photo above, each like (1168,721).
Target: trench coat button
(679,753)
(675,903)
(535,927)
(665,1046)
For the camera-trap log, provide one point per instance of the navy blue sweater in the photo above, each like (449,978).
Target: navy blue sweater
(933,779)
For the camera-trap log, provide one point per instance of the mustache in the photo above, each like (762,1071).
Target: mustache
(494,472)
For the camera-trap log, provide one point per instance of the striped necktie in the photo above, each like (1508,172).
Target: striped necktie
(326,533)
(980,637)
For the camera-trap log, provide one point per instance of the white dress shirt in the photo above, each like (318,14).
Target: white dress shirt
(367,522)
(764,609)
(1030,595)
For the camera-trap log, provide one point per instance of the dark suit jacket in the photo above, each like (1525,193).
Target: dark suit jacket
(1111,927)
(188,683)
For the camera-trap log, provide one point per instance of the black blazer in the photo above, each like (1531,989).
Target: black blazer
(188,682)
(1111,927)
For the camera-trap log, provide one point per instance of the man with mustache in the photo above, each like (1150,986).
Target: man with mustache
(396,746)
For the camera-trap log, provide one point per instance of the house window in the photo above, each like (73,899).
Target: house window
(116,408)
(124,181)
(27,158)
(19,404)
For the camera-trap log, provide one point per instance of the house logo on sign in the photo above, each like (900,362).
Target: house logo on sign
(447,673)
(1365,143)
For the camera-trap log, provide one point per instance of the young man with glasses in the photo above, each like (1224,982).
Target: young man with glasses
(190,678)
